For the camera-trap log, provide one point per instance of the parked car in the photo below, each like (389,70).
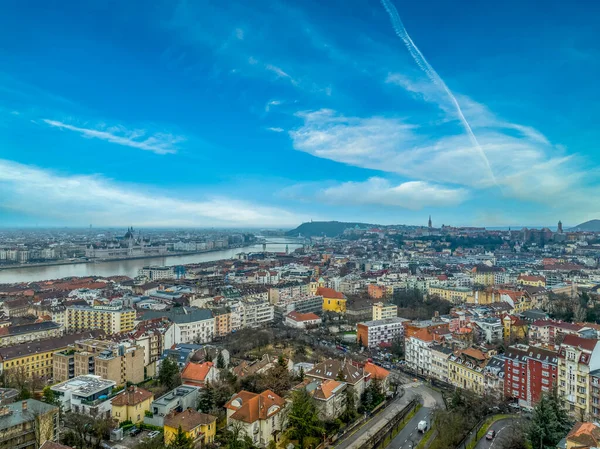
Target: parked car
(490,435)
(153,434)
(135,431)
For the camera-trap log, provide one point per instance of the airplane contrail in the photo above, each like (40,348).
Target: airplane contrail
(433,76)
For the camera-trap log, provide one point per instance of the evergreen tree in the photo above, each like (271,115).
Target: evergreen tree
(550,422)
(303,418)
(181,441)
(168,373)
(220,361)
(206,402)
(350,412)
(301,374)
(208,357)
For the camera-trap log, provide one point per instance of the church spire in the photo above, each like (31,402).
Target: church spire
(429,223)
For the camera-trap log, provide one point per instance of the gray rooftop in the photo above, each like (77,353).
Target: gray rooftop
(180,314)
(12,415)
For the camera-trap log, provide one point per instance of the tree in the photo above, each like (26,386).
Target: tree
(372,396)
(550,422)
(49,397)
(303,418)
(168,373)
(301,374)
(208,357)
(278,378)
(350,413)
(181,441)
(235,437)
(206,402)
(220,361)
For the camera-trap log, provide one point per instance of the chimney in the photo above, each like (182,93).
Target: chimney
(24,405)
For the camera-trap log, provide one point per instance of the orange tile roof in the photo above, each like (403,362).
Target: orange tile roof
(376,372)
(296,316)
(329,293)
(326,389)
(584,435)
(251,407)
(196,372)
(474,353)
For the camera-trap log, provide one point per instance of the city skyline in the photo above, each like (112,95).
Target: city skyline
(209,115)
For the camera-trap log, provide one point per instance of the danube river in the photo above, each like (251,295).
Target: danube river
(130,267)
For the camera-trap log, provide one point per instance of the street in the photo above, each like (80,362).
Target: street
(412,390)
(502,429)
(409,436)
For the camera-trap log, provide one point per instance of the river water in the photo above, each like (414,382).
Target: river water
(130,267)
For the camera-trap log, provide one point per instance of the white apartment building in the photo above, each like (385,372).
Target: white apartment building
(87,395)
(492,329)
(257,313)
(417,353)
(373,333)
(439,362)
(383,311)
(155,272)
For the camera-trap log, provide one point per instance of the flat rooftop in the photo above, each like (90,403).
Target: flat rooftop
(86,385)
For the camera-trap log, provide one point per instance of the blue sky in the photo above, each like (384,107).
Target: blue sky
(210,113)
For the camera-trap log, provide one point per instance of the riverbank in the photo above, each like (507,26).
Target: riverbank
(117,259)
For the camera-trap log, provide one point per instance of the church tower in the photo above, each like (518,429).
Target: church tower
(429,225)
(560,229)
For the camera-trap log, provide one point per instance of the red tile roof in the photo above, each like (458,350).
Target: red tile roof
(376,372)
(251,407)
(296,316)
(329,293)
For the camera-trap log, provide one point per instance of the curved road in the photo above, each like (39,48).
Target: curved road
(429,398)
(502,429)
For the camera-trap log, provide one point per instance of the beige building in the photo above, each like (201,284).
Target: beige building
(14,335)
(27,424)
(455,295)
(577,358)
(383,311)
(119,362)
(111,319)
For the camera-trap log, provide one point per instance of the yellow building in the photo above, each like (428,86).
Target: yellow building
(534,281)
(465,370)
(111,319)
(455,295)
(201,428)
(27,424)
(132,405)
(515,329)
(35,359)
(383,311)
(313,286)
(333,301)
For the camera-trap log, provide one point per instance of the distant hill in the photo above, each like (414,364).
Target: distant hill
(325,228)
(588,226)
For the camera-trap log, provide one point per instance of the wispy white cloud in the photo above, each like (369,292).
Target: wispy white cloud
(413,195)
(239,34)
(526,165)
(271,103)
(436,79)
(275,129)
(159,143)
(280,73)
(77,199)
